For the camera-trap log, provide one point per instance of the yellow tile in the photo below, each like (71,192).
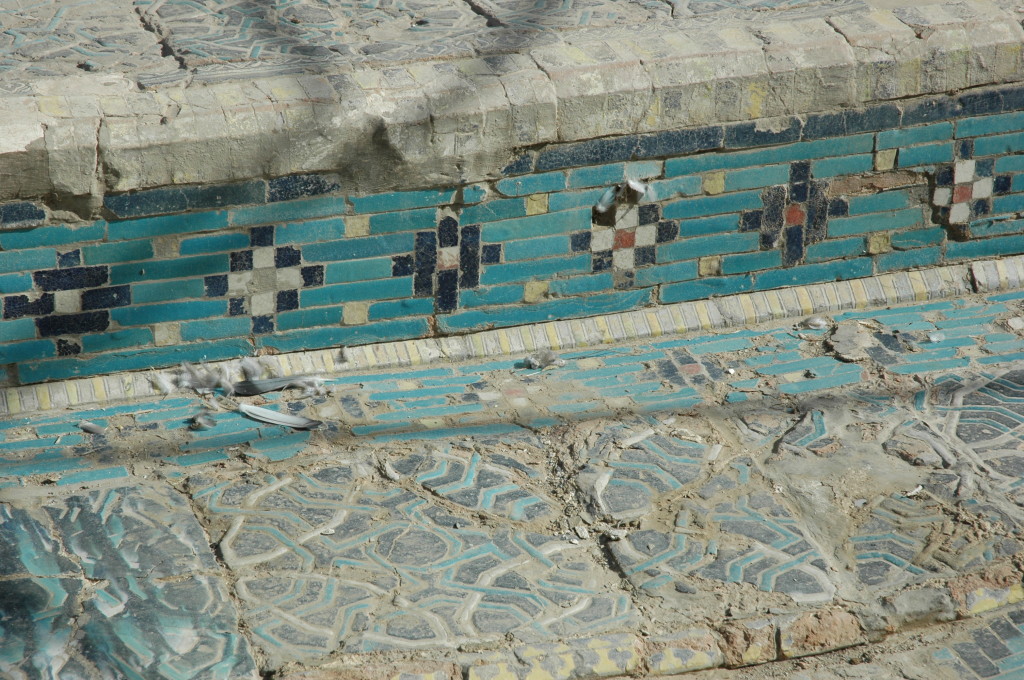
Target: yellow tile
(13,401)
(919,285)
(806,304)
(503,341)
(702,315)
(100,389)
(534,291)
(549,330)
(43,396)
(714,183)
(747,305)
(860,295)
(536,204)
(654,323)
(72,387)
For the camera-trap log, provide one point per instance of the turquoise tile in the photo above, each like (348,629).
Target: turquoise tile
(358,270)
(117,472)
(165,291)
(748,262)
(990,125)
(862,224)
(827,382)
(882,201)
(702,246)
(547,310)
(534,269)
(596,176)
(140,315)
(1013,203)
(452,433)
(214,329)
(16,352)
(131,360)
(126,337)
(809,364)
(991,247)
(393,309)
(19,329)
(755,178)
(15,283)
(927,366)
(359,248)
(40,467)
(406,220)
(201,458)
(493,295)
(402,200)
(286,211)
(712,205)
(214,243)
(1017,183)
(986,228)
(837,270)
(310,232)
(198,265)
(58,235)
(664,189)
(891,139)
(339,293)
(533,248)
(531,184)
(666,273)
(414,394)
(928,154)
(473,193)
(701,289)
(183,223)
(318,338)
(116,253)
(579,285)
(1013,163)
(709,225)
(918,238)
(546,224)
(716,346)
(494,211)
(832,249)
(844,165)
(570,200)
(999,144)
(836,146)
(27,260)
(906,259)
(307,318)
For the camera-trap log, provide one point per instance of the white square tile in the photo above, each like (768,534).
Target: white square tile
(646,234)
(263,257)
(263,303)
(943,196)
(602,239)
(963,172)
(289,277)
(983,188)
(448,258)
(960,213)
(238,283)
(68,301)
(622,258)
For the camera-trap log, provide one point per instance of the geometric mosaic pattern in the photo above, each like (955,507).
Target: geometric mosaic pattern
(322,560)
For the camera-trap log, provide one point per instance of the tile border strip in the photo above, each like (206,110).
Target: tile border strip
(714,314)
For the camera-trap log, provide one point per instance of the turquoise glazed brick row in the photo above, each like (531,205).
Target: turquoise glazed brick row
(292,264)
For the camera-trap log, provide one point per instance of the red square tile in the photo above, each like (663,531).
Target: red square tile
(795,214)
(625,238)
(962,193)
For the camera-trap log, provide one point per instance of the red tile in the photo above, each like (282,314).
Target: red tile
(962,193)
(795,214)
(624,238)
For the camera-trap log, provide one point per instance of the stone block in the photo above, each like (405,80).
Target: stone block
(748,642)
(817,632)
(923,606)
(376,670)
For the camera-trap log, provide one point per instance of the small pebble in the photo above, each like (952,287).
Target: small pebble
(1016,323)
(935,336)
(326,532)
(816,322)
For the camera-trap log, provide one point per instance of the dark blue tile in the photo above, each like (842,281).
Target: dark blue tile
(447,232)
(261,236)
(1002,184)
(792,245)
(981,207)
(648,214)
(873,118)
(314,276)
(1012,97)
(798,192)
(824,125)
(236,306)
(447,291)
(944,176)
(579,241)
(520,165)
(21,213)
(817,209)
(216,286)
(287,256)
(930,110)
(72,324)
(743,135)
(984,167)
(838,207)
(643,255)
(219,196)
(104,298)
(469,257)
(591,152)
(799,171)
(241,261)
(287,300)
(425,262)
(72,258)
(625,279)
(70,279)
(67,348)
(17,306)
(601,260)
(977,661)
(772,215)
(965,148)
(668,230)
(180,199)
(401,265)
(992,646)
(980,103)
(490,253)
(676,142)
(751,220)
(298,186)
(262,325)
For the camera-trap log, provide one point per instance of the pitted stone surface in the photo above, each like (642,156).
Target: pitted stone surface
(118,583)
(326,562)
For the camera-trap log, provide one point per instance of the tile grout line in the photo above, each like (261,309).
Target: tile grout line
(716,314)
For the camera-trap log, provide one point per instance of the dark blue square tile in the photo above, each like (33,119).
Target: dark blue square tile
(799,171)
(944,176)
(579,241)
(601,260)
(643,255)
(313,275)
(798,192)
(1001,185)
(241,261)
(648,214)
(72,258)
(236,307)
(491,253)
(216,286)
(668,230)
(261,236)
(287,256)
(103,298)
(401,265)
(67,348)
(287,300)
(447,232)
(981,207)
(965,148)
(751,220)
(838,207)
(261,325)
(984,167)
